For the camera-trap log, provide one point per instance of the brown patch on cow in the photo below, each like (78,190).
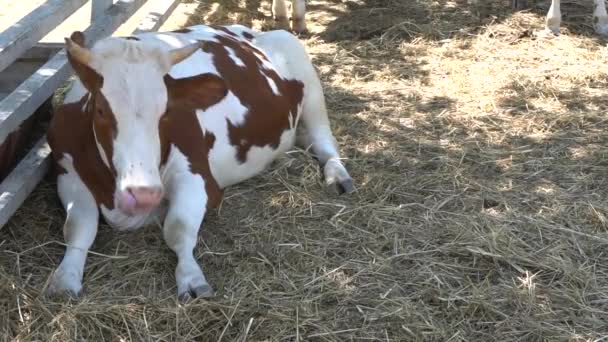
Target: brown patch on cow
(71,132)
(269,114)
(223,29)
(184,30)
(180,126)
(198,92)
(248,36)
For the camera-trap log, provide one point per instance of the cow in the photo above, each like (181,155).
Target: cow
(298,13)
(157,125)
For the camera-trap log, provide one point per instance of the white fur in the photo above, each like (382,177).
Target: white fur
(600,16)
(234,58)
(273,86)
(102,152)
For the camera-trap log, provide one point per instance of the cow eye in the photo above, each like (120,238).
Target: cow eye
(99,111)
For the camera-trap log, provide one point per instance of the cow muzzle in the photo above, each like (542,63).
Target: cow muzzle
(139,199)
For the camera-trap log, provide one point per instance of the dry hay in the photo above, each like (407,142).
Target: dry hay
(478,147)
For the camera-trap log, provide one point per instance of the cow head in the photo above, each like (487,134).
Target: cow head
(130,91)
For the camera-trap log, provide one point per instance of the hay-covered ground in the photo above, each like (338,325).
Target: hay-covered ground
(481,213)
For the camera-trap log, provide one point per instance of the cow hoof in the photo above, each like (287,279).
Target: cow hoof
(552,31)
(65,283)
(191,282)
(346,186)
(203,291)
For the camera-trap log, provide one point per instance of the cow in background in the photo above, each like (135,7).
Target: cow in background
(298,14)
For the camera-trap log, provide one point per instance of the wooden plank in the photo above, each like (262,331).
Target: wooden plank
(16,73)
(160,11)
(19,184)
(29,30)
(24,100)
(112,19)
(99,7)
(42,51)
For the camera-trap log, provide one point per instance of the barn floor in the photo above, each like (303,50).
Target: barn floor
(478,147)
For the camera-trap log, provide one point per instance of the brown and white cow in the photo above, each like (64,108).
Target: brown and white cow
(298,14)
(158,124)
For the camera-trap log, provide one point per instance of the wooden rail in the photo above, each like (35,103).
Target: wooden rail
(35,90)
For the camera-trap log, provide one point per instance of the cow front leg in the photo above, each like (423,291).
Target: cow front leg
(187,205)
(600,17)
(554,17)
(79,233)
(298,15)
(279,13)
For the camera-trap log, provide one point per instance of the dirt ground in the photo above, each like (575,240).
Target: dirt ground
(478,148)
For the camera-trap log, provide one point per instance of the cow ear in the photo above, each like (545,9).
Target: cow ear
(196,92)
(78,38)
(80,57)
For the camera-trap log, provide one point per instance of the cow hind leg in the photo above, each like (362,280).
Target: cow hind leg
(314,131)
(279,13)
(298,15)
(79,232)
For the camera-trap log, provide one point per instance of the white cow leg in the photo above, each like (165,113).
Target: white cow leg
(187,204)
(298,15)
(279,12)
(600,18)
(79,232)
(316,133)
(554,17)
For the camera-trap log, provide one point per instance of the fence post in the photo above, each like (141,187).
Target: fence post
(98,8)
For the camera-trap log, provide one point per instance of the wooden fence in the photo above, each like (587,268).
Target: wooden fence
(20,43)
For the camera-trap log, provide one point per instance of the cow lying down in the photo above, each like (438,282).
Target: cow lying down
(158,124)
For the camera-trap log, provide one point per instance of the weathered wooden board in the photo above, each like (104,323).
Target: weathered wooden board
(42,51)
(99,7)
(24,178)
(28,31)
(159,12)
